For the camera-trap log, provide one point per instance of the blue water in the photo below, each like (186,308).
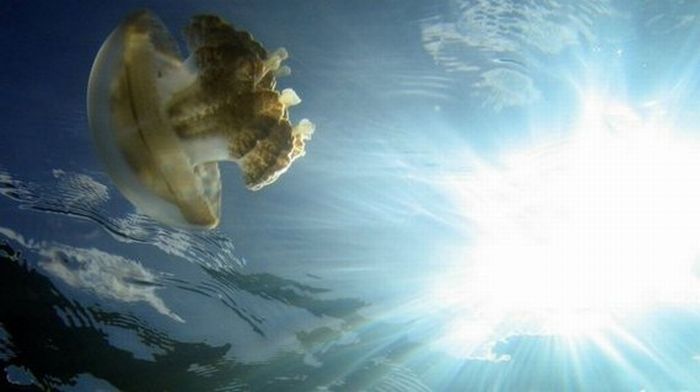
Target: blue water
(321,281)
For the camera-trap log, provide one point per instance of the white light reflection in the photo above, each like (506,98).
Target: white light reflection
(569,236)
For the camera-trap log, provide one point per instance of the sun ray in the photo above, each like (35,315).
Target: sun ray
(570,235)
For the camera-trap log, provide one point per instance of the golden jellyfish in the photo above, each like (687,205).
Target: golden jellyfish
(162,123)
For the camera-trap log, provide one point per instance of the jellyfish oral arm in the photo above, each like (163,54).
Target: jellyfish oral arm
(208,149)
(173,75)
(289,98)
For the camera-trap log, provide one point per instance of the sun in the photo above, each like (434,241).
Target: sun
(573,232)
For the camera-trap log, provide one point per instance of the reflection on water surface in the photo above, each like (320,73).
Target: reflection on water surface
(463,219)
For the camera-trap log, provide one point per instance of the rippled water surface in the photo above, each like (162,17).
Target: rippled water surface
(499,195)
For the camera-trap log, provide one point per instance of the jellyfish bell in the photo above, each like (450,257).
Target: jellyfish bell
(162,123)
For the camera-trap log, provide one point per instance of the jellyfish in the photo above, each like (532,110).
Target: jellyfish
(161,122)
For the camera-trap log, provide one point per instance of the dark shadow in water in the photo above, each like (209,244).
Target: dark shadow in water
(57,339)
(57,351)
(290,292)
(226,285)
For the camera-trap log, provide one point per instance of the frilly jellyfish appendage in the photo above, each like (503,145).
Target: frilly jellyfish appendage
(162,123)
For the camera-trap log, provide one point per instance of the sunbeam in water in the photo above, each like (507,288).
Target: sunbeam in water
(571,236)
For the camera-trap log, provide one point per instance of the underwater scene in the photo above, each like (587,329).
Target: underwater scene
(326,195)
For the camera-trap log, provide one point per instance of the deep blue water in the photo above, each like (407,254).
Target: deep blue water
(322,281)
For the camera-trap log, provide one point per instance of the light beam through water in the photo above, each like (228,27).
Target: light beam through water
(569,236)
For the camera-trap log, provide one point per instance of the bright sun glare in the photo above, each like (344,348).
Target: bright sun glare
(570,234)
